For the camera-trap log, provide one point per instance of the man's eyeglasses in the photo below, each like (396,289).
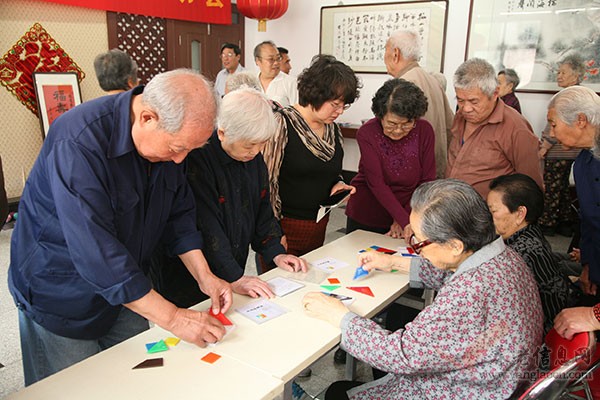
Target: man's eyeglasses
(337,106)
(417,246)
(227,55)
(271,60)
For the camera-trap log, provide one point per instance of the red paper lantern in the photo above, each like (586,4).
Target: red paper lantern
(262,10)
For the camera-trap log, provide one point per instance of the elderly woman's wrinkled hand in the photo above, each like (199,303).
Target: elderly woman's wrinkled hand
(570,321)
(290,263)
(321,306)
(371,260)
(395,231)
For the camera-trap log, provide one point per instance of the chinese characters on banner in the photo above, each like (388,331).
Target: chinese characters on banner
(529,5)
(58,100)
(359,38)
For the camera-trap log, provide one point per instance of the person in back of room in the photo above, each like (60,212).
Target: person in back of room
(397,154)
(508,80)
(233,209)
(276,85)
(482,331)
(230,57)
(559,216)
(286,62)
(116,71)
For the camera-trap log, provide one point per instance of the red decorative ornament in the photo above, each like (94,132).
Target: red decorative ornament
(262,10)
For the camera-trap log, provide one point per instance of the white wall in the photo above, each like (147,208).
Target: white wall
(299,30)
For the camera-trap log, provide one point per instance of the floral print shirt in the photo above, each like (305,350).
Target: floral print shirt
(477,339)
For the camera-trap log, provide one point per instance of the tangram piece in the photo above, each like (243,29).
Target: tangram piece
(35,51)
(221,317)
(333,281)
(158,347)
(379,249)
(394,270)
(360,273)
(330,288)
(362,289)
(210,358)
(150,345)
(150,363)
(172,341)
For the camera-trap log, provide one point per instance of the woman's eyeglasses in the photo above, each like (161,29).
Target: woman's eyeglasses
(417,246)
(337,106)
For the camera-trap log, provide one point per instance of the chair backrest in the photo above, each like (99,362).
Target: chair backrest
(561,350)
(568,360)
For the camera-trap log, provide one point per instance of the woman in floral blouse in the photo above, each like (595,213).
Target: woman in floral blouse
(478,338)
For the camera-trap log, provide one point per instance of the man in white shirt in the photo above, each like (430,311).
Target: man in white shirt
(277,86)
(230,57)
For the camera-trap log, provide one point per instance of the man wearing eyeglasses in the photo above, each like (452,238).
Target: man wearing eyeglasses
(276,85)
(230,57)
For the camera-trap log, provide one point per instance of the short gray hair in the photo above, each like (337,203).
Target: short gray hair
(452,209)
(240,80)
(575,61)
(259,46)
(114,69)
(476,73)
(575,100)
(181,97)
(246,114)
(408,42)
(511,77)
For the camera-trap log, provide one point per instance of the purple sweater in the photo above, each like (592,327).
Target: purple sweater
(389,171)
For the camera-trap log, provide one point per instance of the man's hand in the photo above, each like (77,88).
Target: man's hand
(196,327)
(252,286)
(219,292)
(290,263)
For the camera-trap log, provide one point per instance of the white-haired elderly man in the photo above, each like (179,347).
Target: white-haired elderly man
(230,182)
(489,138)
(109,186)
(402,54)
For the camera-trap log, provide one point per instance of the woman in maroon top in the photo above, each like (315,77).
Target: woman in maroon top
(396,156)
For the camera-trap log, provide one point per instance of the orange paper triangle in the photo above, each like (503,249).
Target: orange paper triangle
(362,289)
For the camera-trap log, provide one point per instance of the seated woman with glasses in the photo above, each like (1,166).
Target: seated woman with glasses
(396,156)
(480,335)
(305,156)
(516,203)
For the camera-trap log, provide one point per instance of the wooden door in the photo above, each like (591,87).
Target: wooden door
(198,46)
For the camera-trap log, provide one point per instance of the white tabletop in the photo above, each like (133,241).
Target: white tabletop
(109,375)
(286,345)
(256,359)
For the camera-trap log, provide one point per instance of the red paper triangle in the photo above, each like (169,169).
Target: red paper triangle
(221,317)
(362,289)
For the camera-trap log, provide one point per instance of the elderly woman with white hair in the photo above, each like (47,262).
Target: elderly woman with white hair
(481,333)
(574,119)
(230,182)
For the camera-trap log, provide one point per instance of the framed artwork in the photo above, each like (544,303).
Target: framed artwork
(533,36)
(356,34)
(56,93)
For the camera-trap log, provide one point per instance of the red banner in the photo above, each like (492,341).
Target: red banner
(209,11)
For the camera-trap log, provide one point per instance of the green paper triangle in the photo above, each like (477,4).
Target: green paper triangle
(331,288)
(158,347)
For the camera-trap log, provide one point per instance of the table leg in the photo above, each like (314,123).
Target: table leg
(350,367)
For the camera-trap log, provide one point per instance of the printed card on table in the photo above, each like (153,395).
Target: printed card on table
(329,264)
(282,286)
(261,311)
(407,252)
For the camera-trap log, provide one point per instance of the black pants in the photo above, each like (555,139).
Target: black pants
(337,390)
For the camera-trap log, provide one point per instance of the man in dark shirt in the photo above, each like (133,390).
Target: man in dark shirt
(230,182)
(107,187)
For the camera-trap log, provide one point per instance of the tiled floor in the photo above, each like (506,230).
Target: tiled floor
(324,371)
